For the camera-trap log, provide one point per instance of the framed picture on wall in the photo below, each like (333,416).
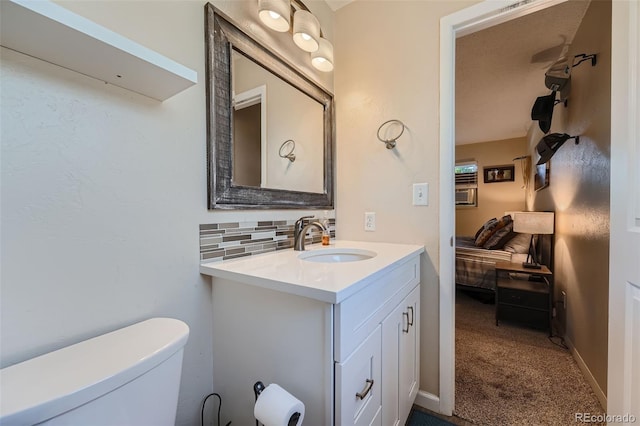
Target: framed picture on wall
(541,178)
(494,174)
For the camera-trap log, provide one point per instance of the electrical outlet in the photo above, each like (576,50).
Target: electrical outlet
(369,221)
(420,194)
(564,300)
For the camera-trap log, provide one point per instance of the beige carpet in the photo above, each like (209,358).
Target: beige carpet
(512,375)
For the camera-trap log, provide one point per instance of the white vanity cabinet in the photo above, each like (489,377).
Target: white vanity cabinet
(401,346)
(345,341)
(377,381)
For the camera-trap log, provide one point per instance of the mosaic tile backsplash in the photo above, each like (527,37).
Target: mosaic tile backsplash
(222,241)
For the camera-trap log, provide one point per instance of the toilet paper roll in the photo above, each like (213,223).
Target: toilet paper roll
(275,406)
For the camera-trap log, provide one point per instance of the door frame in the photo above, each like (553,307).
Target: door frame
(623,370)
(474,18)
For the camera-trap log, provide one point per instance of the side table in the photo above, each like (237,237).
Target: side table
(524,295)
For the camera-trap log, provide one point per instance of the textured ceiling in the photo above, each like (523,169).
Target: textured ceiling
(500,71)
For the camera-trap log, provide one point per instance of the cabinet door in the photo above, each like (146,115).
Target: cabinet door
(392,330)
(409,353)
(400,360)
(358,384)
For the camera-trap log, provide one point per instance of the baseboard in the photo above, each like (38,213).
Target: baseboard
(428,401)
(602,398)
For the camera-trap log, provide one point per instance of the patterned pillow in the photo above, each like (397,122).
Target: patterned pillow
(500,237)
(493,226)
(504,221)
(485,225)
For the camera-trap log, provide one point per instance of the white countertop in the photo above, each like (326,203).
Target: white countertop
(328,282)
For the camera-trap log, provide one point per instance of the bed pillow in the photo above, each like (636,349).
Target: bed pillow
(485,225)
(518,244)
(492,227)
(500,237)
(485,234)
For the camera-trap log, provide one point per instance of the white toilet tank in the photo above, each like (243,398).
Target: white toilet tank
(130,376)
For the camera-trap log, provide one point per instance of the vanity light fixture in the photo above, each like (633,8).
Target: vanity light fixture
(307,34)
(322,58)
(275,14)
(306,31)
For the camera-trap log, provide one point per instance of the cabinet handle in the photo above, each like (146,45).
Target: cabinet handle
(366,390)
(405,314)
(411,307)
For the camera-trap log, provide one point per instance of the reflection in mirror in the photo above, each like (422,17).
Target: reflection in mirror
(289,115)
(255,102)
(249,136)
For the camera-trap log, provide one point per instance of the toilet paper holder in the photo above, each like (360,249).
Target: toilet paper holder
(258,387)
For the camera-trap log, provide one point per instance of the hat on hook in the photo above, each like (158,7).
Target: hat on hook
(542,111)
(549,144)
(558,77)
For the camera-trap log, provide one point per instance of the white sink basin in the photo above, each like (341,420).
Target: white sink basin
(337,255)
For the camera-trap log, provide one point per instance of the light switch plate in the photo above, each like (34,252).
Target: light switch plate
(420,194)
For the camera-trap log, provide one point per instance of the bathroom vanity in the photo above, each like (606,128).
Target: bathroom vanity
(338,327)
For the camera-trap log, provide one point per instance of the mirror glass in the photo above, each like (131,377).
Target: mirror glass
(268,112)
(270,129)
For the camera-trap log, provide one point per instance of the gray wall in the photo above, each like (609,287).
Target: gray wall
(579,194)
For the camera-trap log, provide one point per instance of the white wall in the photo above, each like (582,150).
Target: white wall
(387,67)
(103,191)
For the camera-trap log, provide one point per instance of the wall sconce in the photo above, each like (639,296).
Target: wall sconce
(307,34)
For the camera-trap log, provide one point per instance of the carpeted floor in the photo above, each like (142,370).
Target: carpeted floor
(512,375)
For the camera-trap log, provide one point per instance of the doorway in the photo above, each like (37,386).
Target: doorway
(473,19)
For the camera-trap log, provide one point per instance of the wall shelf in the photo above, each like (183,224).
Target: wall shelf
(47,31)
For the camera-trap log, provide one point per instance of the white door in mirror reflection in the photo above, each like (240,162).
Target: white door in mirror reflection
(272,112)
(250,137)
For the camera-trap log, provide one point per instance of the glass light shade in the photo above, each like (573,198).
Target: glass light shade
(306,31)
(322,59)
(275,14)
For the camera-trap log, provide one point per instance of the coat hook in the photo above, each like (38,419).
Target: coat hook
(584,57)
(391,142)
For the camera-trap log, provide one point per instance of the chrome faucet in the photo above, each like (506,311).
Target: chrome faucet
(300,231)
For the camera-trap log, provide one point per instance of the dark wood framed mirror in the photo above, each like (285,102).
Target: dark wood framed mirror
(277,186)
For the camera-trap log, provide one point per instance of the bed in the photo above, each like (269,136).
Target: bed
(475,266)
(495,241)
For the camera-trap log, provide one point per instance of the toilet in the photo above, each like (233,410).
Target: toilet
(130,376)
